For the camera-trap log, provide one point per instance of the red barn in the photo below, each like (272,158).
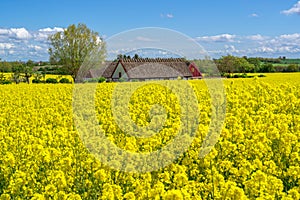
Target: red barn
(195,71)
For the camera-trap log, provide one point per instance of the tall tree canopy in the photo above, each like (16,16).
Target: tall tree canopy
(70,47)
(231,64)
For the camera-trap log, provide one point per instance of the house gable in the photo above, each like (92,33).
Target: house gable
(194,70)
(119,72)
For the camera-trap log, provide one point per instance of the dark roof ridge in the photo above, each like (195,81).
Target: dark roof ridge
(127,60)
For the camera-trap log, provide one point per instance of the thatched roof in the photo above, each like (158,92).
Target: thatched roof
(146,68)
(105,70)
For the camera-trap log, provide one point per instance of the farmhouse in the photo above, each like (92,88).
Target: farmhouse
(143,69)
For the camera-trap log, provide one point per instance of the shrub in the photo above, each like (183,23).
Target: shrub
(37,81)
(261,75)
(51,80)
(101,80)
(64,80)
(5,82)
(228,76)
(244,75)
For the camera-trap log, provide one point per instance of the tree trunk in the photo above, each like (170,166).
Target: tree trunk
(27,76)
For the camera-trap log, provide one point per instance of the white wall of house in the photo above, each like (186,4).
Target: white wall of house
(119,71)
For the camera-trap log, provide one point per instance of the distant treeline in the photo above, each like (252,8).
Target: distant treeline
(231,64)
(23,71)
(41,66)
(225,65)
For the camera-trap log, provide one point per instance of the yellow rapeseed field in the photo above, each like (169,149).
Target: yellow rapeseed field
(58,77)
(43,156)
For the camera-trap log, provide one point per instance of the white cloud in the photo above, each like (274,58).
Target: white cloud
(55,29)
(294,10)
(168,15)
(11,52)
(4,31)
(15,33)
(282,44)
(264,49)
(145,39)
(254,15)
(23,44)
(217,38)
(294,36)
(6,45)
(230,49)
(20,33)
(43,34)
(35,47)
(257,37)
(252,45)
(41,37)
(162,52)
(277,50)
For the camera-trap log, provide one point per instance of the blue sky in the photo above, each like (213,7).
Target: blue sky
(267,28)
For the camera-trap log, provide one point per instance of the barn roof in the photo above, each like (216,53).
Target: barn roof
(105,71)
(147,68)
(156,67)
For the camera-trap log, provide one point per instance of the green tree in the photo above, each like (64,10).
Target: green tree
(22,72)
(242,65)
(268,67)
(231,64)
(37,77)
(30,63)
(256,63)
(28,71)
(120,56)
(292,68)
(16,76)
(5,66)
(70,47)
(226,64)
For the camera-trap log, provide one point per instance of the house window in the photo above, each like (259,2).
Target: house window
(120,74)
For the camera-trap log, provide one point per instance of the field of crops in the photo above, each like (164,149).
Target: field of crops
(42,155)
(8,76)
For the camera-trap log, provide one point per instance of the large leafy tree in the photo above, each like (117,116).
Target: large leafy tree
(72,46)
(231,64)
(255,62)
